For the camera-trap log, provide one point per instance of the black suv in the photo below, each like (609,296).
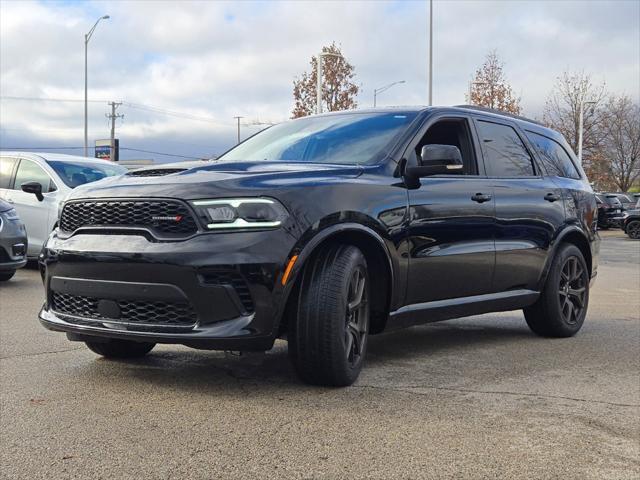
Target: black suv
(610,210)
(324,230)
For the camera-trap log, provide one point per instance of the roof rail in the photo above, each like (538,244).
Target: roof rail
(499,112)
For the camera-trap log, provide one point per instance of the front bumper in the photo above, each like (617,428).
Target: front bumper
(117,286)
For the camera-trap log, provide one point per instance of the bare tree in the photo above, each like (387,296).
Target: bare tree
(562,112)
(339,92)
(490,88)
(621,141)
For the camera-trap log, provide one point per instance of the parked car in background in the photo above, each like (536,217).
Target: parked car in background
(627,200)
(609,210)
(631,221)
(325,229)
(36,183)
(13,241)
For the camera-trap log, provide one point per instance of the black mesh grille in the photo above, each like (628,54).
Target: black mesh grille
(140,312)
(4,257)
(232,278)
(165,217)
(155,172)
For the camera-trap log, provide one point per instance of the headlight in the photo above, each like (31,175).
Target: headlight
(236,213)
(60,208)
(11,214)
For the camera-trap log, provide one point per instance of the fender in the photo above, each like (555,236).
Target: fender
(305,251)
(553,248)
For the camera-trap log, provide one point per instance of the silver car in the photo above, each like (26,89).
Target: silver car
(36,183)
(13,242)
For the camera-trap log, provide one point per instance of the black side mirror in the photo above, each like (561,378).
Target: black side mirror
(33,187)
(438,160)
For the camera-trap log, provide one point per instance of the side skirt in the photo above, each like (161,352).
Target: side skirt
(419,313)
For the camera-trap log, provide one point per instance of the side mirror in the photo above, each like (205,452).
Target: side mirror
(438,160)
(33,187)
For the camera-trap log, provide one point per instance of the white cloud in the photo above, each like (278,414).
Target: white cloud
(216,59)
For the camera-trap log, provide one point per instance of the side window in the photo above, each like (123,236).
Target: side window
(28,171)
(451,132)
(504,153)
(554,156)
(6,169)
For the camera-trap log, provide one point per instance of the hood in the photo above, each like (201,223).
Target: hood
(215,180)
(5,206)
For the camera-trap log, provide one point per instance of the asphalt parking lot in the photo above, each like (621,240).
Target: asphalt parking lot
(472,398)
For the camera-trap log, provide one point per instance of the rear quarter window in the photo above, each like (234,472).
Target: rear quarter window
(553,155)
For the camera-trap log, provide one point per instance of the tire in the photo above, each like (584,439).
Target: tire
(633,229)
(328,337)
(562,306)
(120,348)
(4,276)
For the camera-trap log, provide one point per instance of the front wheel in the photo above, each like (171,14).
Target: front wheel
(633,229)
(328,339)
(4,276)
(562,306)
(120,348)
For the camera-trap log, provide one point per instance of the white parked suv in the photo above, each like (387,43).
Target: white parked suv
(36,183)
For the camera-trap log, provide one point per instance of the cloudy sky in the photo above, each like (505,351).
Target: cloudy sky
(185,69)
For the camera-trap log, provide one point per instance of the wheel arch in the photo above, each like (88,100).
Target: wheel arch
(574,236)
(379,262)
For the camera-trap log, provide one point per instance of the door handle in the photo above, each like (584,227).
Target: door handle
(551,197)
(481,198)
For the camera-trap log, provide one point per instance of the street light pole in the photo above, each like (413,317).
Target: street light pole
(383,89)
(430,52)
(238,119)
(87,37)
(319,78)
(581,127)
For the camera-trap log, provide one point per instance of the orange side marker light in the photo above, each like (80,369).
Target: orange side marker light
(287,271)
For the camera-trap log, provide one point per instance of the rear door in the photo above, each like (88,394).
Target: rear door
(451,225)
(34,213)
(529,207)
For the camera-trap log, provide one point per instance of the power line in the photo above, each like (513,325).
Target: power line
(122,148)
(48,99)
(138,106)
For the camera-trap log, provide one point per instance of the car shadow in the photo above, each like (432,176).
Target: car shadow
(223,372)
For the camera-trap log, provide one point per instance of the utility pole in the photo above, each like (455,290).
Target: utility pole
(113,116)
(430,52)
(581,127)
(238,119)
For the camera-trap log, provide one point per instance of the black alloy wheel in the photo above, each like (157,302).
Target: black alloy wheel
(633,229)
(572,289)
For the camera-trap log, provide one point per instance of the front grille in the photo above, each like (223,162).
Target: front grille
(164,217)
(232,278)
(4,257)
(143,313)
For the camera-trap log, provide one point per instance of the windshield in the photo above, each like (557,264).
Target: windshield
(77,173)
(351,138)
(612,201)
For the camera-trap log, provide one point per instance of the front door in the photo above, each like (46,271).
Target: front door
(34,213)
(451,225)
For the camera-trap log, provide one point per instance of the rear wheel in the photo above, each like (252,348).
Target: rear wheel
(328,337)
(4,276)
(633,229)
(562,307)
(120,348)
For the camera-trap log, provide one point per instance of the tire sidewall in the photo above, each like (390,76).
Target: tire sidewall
(356,260)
